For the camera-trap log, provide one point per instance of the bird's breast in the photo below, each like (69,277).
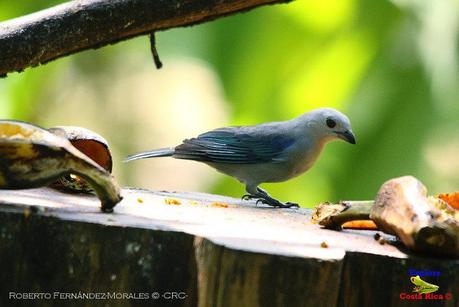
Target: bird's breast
(303,158)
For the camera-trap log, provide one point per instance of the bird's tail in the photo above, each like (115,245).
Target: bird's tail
(163,152)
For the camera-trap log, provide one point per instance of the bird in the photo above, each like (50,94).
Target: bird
(267,152)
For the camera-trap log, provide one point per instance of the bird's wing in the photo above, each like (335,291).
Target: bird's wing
(233,145)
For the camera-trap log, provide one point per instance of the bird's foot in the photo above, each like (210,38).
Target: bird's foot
(267,200)
(291,205)
(249,197)
(277,204)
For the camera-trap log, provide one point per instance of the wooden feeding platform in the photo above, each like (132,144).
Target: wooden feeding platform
(195,249)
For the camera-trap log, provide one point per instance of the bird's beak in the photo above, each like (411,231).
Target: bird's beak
(347,136)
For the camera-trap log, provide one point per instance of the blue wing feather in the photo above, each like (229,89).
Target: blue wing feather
(228,145)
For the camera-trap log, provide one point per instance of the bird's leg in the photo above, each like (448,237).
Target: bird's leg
(253,192)
(263,197)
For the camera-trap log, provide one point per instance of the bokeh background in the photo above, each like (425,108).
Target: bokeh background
(391,66)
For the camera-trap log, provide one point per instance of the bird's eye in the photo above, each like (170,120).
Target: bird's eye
(330,123)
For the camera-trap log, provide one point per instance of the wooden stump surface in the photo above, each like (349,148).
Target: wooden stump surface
(212,250)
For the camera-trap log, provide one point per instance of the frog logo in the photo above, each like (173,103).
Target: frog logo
(423,287)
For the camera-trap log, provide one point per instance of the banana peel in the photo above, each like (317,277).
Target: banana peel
(32,157)
(92,145)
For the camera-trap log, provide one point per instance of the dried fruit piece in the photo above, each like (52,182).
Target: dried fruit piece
(360,224)
(219,205)
(172,201)
(335,216)
(452,199)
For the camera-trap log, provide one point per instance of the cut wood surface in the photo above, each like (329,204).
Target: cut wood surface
(86,24)
(220,251)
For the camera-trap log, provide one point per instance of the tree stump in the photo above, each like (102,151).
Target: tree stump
(194,249)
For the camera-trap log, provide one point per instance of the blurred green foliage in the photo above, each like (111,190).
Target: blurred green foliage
(390,65)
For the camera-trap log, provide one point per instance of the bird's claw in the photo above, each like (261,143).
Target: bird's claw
(285,205)
(291,205)
(277,204)
(261,201)
(248,197)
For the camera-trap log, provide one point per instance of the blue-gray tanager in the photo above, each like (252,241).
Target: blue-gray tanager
(270,152)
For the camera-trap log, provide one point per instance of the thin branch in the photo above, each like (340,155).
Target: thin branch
(154,51)
(86,24)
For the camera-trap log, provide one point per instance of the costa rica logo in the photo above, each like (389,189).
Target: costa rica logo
(423,287)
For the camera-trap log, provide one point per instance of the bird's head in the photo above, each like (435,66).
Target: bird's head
(329,124)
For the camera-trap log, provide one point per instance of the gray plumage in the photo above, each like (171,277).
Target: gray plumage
(270,152)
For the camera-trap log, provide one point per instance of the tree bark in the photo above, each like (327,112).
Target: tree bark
(86,24)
